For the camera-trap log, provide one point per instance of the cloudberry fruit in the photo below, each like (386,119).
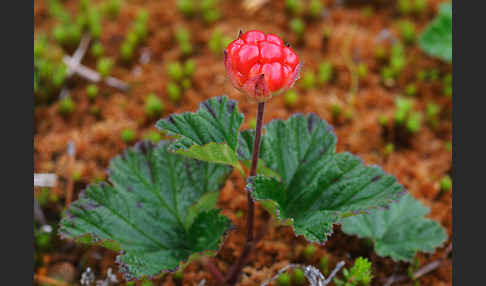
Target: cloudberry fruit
(260,64)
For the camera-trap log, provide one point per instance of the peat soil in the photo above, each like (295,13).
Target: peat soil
(419,160)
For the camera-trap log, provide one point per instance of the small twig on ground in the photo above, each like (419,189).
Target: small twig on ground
(74,66)
(94,76)
(422,271)
(313,275)
(80,52)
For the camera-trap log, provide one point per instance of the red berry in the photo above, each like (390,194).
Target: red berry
(260,64)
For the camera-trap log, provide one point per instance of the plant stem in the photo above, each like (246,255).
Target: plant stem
(235,271)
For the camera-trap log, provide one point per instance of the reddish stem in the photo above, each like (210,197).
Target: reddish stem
(235,271)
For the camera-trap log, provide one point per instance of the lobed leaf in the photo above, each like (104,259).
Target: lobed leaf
(216,121)
(436,40)
(317,187)
(159,209)
(400,231)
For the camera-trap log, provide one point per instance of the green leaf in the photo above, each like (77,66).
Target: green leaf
(317,186)
(158,208)
(216,121)
(219,153)
(436,40)
(400,231)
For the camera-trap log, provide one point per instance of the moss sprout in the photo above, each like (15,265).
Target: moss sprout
(290,98)
(105,66)
(284,279)
(298,276)
(92,91)
(309,251)
(308,80)
(97,49)
(67,105)
(153,105)
(174,91)
(324,265)
(128,135)
(324,72)
(297,26)
(446,183)
(153,136)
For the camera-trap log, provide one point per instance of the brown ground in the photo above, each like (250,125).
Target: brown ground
(418,164)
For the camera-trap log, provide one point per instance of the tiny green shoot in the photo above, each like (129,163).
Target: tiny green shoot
(153,105)
(174,91)
(66,105)
(298,276)
(284,279)
(446,183)
(92,91)
(97,49)
(290,98)
(128,135)
(105,66)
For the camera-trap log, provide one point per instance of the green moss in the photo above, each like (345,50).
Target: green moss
(294,7)
(324,72)
(336,109)
(284,279)
(411,89)
(239,214)
(382,120)
(153,136)
(298,276)
(126,51)
(253,123)
(97,49)
(186,7)
(389,148)
(420,6)
(446,183)
(324,265)
(408,31)
(290,98)
(146,283)
(404,7)
(175,71)
(297,26)
(173,91)
(105,66)
(403,107)
(128,135)
(186,84)
(362,70)
(179,275)
(308,80)
(66,105)
(448,146)
(414,122)
(359,275)
(92,91)
(315,8)
(189,68)
(309,251)
(112,8)
(153,105)
(380,52)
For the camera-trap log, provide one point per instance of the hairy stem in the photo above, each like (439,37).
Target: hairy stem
(235,271)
